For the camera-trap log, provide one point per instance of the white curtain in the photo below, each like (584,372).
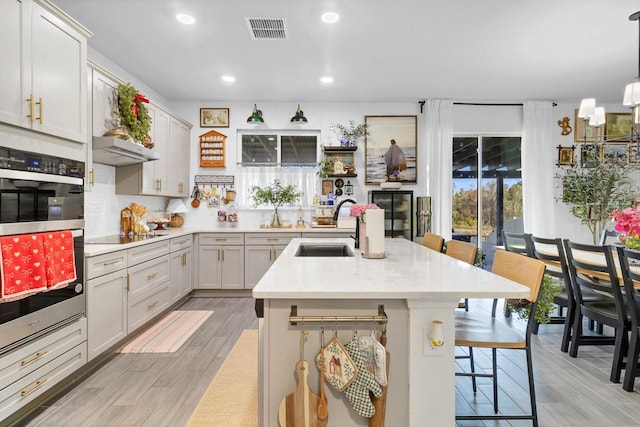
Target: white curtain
(538,169)
(439,144)
(303,178)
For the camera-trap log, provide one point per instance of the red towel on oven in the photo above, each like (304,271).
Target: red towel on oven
(23,266)
(59,258)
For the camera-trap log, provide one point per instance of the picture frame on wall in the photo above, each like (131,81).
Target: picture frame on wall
(214,117)
(588,134)
(618,153)
(565,155)
(617,127)
(590,155)
(391,149)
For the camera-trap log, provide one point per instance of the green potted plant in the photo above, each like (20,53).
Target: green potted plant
(275,194)
(352,133)
(595,190)
(548,291)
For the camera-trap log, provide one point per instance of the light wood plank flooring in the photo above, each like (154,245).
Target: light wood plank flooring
(163,389)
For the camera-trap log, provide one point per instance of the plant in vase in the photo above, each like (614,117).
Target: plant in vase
(352,133)
(627,223)
(359,211)
(277,195)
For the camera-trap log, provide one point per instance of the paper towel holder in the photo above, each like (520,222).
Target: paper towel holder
(371,255)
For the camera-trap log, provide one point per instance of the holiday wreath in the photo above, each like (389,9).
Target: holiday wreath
(132,112)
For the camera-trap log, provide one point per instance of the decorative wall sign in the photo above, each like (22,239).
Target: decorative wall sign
(214,117)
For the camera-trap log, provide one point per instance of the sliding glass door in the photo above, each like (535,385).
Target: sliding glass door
(487,190)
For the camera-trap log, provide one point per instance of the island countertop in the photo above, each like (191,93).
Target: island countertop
(409,271)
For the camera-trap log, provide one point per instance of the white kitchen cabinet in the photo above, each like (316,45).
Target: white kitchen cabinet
(44,69)
(106,288)
(221,261)
(260,252)
(167,176)
(181,268)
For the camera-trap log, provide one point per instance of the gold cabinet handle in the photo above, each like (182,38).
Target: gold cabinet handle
(272,239)
(127,282)
(40,119)
(38,383)
(152,275)
(180,188)
(218,254)
(33,358)
(222,255)
(159,185)
(111,262)
(221,239)
(153,304)
(92,177)
(30,101)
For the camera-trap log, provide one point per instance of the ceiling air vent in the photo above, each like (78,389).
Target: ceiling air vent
(267,28)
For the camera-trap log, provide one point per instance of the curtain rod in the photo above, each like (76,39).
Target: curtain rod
(553,104)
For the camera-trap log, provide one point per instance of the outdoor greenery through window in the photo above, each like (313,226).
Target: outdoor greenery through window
(488,202)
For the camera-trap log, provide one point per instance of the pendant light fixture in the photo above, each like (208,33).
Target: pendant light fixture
(299,116)
(632,91)
(256,116)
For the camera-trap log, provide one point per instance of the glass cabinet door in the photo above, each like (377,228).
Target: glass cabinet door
(398,212)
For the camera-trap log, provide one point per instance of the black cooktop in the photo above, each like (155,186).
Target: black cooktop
(118,240)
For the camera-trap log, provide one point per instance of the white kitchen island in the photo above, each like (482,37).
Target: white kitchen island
(414,284)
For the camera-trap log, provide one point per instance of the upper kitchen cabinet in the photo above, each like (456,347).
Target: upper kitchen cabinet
(167,176)
(44,74)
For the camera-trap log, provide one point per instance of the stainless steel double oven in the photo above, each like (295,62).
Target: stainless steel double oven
(40,193)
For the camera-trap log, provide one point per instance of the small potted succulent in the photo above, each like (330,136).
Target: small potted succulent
(277,195)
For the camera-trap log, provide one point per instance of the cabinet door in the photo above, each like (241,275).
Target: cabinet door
(106,311)
(209,267)
(59,70)
(181,285)
(258,260)
(232,272)
(104,102)
(13,108)
(186,284)
(178,159)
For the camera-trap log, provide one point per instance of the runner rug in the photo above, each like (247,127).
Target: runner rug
(231,400)
(168,334)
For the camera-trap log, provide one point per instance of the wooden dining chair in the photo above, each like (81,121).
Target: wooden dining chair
(485,331)
(433,241)
(630,277)
(465,252)
(592,268)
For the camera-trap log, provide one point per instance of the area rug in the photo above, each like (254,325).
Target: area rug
(231,400)
(167,335)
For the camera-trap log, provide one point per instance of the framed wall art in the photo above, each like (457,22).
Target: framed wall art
(214,117)
(585,134)
(565,155)
(615,153)
(591,155)
(617,127)
(391,149)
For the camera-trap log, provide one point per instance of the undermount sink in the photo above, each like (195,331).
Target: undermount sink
(323,250)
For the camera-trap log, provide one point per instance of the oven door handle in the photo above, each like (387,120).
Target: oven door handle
(40,177)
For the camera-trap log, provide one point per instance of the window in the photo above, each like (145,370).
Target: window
(497,205)
(290,156)
(279,148)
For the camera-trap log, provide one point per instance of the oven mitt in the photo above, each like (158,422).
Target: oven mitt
(374,357)
(358,391)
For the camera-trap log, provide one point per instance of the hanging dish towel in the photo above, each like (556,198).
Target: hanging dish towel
(59,258)
(23,266)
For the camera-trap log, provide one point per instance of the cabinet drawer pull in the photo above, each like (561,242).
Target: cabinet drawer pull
(33,358)
(40,119)
(153,304)
(221,239)
(111,262)
(30,115)
(152,275)
(272,239)
(92,179)
(38,383)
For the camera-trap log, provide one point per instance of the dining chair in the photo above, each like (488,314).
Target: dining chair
(608,236)
(592,268)
(465,252)
(517,243)
(433,241)
(474,329)
(551,252)
(629,261)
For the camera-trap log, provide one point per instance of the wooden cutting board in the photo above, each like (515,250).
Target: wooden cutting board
(300,408)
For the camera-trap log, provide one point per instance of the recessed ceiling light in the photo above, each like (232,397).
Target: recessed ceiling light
(330,17)
(326,79)
(185,19)
(228,78)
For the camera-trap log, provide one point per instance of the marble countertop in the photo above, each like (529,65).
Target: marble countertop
(409,271)
(93,249)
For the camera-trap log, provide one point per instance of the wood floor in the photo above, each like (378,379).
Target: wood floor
(163,389)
